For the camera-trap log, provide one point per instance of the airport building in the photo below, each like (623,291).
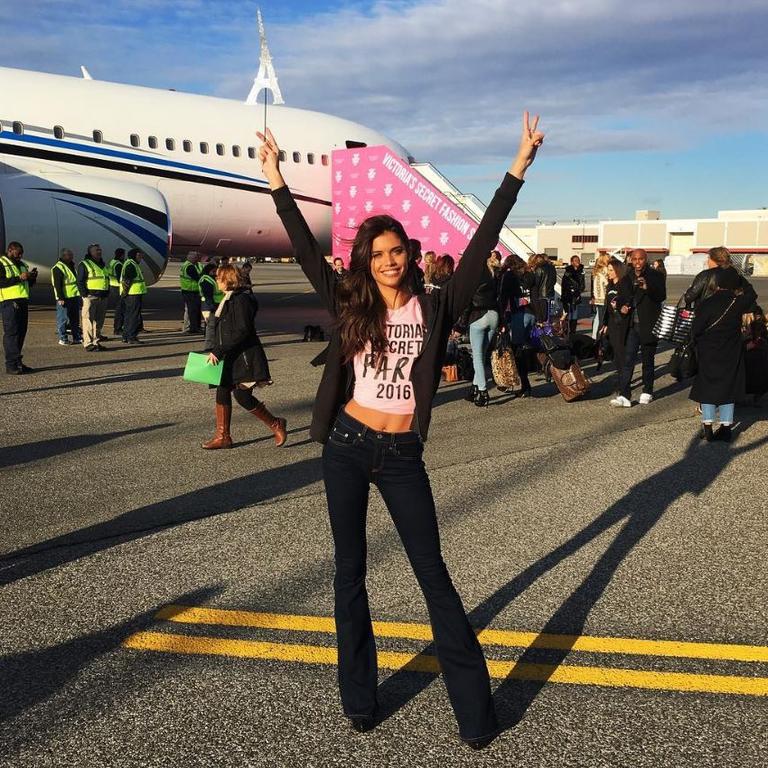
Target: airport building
(682,243)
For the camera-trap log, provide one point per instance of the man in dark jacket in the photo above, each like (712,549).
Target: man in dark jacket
(417,283)
(16,278)
(641,293)
(571,289)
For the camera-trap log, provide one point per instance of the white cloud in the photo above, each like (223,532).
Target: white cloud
(445,78)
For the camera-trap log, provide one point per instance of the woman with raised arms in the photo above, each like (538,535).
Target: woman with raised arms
(372,414)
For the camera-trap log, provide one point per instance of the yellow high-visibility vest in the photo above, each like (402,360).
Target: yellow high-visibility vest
(14,269)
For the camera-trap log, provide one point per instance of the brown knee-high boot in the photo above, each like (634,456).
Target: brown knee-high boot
(222,438)
(277,425)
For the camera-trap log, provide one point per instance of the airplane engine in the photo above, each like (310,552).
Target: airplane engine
(48,212)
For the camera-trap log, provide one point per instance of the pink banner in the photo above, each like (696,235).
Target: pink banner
(370,181)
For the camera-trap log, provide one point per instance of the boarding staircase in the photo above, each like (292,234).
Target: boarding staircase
(471,206)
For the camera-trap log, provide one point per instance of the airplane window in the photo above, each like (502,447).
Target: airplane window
(281,156)
(187,145)
(204,147)
(355,144)
(98,137)
(152,142)
(135,140)
(18,128)
(311,158)
(58,131)
(324,159)
(297,157)
(236,151)
(219,149)
(252,153)
(170,144)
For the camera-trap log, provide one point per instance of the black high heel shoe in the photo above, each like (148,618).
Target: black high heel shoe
(362,724)
(471,394)
(481,401)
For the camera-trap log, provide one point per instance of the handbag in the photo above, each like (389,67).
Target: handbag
(450,373)
(503,365)
(199,370)
(684,362)
(571,381)
(673,324)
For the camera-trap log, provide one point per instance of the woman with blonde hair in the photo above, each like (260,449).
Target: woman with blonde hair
(238,347)
(599,284)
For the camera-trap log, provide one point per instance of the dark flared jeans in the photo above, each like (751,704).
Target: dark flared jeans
(354,457)
(648,358)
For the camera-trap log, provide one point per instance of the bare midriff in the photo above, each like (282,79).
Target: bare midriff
(378,420)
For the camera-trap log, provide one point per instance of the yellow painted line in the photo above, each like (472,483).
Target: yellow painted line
(410,631)
(315,654)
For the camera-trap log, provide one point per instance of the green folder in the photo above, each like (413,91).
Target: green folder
(200,370)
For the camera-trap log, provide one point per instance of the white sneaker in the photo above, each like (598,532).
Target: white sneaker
(620,402)
(63,343)
(645,398)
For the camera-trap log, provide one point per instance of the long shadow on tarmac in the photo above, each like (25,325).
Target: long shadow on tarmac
(161,373)
(46,449)
(137,523)
(641,508)
(34,676)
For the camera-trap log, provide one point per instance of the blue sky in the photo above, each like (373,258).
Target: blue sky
(655,104)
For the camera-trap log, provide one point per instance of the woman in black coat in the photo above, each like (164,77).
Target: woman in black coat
(720,352)
(239,348)
(615,324)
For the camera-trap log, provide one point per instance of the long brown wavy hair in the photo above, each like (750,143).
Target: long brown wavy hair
(360,307)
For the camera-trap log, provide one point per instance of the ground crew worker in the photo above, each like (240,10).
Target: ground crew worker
(67,295)
(16,278)
(114,268)
(132,289)
(211,296)
(93,282)
(189,280)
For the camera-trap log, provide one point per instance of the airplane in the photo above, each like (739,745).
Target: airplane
(85,161)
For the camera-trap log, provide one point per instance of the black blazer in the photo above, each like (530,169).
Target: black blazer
(237,343)
(647,301)
(440,309)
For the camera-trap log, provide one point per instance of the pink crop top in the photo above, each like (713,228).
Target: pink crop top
(389,389)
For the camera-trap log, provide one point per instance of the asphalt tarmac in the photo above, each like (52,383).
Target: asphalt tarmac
(618,560)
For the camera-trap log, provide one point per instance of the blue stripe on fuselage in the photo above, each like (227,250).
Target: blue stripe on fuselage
(160,245)
(99,150)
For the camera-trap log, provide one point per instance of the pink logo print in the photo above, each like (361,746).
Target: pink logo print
(339,176)
(387,189)
(351,222)
(371,174)
(353,191)
(406,205)
(425,222)
(444,238)
(368,206)
(337,207)
(356,158)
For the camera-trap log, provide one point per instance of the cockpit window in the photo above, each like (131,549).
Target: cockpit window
(355,144)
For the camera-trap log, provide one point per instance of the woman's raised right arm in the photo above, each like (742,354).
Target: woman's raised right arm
(305,246)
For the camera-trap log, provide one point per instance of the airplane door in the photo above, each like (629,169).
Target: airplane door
(191,209)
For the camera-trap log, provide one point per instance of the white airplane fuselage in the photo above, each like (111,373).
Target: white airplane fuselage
(85,161)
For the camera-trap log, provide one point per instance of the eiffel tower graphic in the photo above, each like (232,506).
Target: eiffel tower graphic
(265,77)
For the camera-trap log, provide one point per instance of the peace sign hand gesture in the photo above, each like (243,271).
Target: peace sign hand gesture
(530,141)
(269,155)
